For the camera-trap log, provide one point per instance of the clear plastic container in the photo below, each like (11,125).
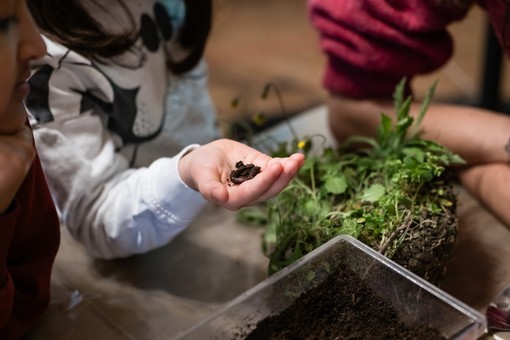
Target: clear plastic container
(416,300)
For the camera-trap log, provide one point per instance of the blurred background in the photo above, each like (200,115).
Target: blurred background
(254,43)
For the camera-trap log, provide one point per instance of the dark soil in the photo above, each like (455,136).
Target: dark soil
(426,245)
(341,307)
(243,172)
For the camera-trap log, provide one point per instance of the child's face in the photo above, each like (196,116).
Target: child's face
(20,43)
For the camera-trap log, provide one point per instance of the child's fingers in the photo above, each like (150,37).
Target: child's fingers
(273,178)
(251,190)
(290,168)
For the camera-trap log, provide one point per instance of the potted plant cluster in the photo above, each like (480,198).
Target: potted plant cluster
(394,194)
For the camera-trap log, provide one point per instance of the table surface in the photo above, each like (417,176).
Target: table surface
(164,292)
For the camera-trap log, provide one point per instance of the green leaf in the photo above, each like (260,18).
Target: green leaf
(411,161)
(398,95)
(336,185)
(403,118)
(415,152)
(310,207)
(456,159)
(384,129)
(308,165)
(373,193)
(361,139)
(386,123)
(424,106)
(403,124)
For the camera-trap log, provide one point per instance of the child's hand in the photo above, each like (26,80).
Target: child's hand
(207,170)
(17,153)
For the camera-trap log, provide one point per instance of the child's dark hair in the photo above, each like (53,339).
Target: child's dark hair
(69,23)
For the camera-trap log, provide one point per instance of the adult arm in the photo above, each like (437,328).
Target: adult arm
(477,135)
(372,45)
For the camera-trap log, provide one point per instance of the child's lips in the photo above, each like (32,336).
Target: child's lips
(22,87)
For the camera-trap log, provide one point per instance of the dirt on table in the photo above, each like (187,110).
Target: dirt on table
(341,307)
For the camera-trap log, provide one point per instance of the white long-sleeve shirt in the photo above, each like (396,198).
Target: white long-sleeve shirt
(90,119)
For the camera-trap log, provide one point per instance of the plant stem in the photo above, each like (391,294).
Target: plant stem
(396,232)
(265,93)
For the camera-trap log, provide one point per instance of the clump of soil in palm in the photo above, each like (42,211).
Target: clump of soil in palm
(243,172)
(394,195)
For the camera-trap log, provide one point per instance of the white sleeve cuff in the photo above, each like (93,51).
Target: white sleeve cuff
(171,196)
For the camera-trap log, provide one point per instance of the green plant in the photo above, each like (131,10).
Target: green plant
(381,194)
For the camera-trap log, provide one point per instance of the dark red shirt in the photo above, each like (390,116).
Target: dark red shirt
(29,239)
(372,44)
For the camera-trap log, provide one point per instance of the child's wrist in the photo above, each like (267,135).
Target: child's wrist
(184,169)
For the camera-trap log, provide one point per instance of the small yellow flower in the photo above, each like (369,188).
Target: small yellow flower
(259,119)
(302,144)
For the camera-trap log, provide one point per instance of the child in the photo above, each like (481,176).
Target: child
(29,225)
(371,45)
(117,77)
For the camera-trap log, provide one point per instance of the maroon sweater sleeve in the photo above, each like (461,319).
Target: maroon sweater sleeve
(372,44)
(7,225)
(498,11)
(29,239)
